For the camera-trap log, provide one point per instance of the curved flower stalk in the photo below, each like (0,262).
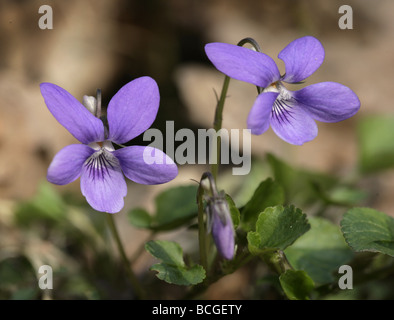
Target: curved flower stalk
(130,112)
(291,114)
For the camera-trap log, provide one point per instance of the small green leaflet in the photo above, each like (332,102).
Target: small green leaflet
(277,228)
(173,269)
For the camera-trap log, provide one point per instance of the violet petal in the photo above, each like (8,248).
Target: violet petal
(243,64)
(259,116)
(302,57)
(71,114)
(328,101)
(146,165)
(133,109)
(66,166)
(103,183)
(292,124)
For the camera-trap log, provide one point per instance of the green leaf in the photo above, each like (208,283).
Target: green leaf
(319,252)
(49,201)
(173,269)
(376,136)
(277,228)
(235,215)
(242,187)
(301,187)
(346,195)
(174,207)
(179,276)
(297,285)
(367,229)
(167,251)
(176,203)
(139,218)
(268,194)
(46,204)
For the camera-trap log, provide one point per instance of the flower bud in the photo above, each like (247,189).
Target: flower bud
(222,226)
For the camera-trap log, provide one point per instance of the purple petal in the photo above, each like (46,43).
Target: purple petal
(259,116)
(66,166)
(146,165)
(103,183)
(302,57)
(292,124)
(328,101)
(243,64)
(133,109)
(71,114)
(223,235)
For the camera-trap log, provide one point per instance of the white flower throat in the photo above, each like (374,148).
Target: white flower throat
(281,109)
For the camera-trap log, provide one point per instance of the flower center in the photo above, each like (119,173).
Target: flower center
(101,145)
(283,104)
(101,163)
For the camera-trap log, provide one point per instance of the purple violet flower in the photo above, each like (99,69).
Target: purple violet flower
(291,114)
(130,112)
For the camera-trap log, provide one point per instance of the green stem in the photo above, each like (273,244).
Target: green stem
(252,42)
(202,235)
(139,291)
(277,261)
(217,125)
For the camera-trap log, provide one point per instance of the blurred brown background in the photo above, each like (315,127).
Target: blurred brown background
(104,44)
